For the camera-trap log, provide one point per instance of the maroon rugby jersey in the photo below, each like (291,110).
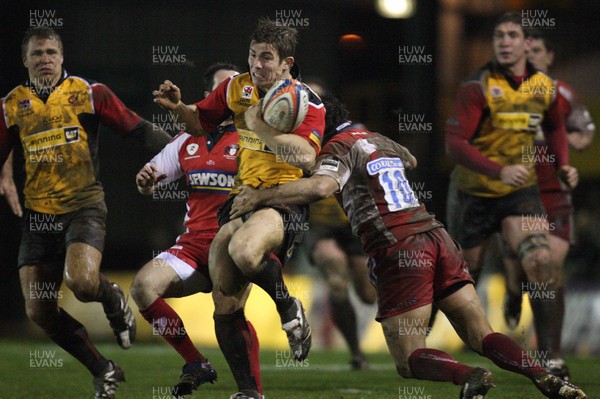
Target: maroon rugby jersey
(209,173)
(577,119)
(374,192)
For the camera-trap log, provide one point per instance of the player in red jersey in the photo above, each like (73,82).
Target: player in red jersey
(413,260)
(556,198)
(55,118)
(209,164)
(254,248)
(338,256)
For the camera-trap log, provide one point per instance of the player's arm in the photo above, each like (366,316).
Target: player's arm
(164,168)
(469,109)
(8,188)
(168,96)
(301,191)
(555,134)
(114,114)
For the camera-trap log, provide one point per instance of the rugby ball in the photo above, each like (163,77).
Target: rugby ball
(285,105)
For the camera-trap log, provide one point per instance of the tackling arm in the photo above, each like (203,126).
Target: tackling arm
(301,191)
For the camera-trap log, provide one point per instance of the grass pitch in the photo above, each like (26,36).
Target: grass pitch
(39,369)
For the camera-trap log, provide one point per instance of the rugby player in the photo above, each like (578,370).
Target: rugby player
(55,117)
(254,248)
(209,164)
(367,173)
(556,198)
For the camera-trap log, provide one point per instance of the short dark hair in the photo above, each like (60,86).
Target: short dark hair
(209,74)
(40,33)
(538,35)
(335,114)
(511,16)
(283,38)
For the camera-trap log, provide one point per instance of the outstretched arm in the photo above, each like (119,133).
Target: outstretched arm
(168,96)
(301,191)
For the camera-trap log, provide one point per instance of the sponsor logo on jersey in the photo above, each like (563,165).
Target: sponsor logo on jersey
(373,167)
(517,121)
(247,91)
(51,138)
(71,134)
(25,104)
(192,148)
(495,91)
(330,164)
(210,180)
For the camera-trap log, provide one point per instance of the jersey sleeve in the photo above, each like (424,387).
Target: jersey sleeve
(167,160)
(469,109)
(334,161)
(555,132)
(313,126)
(111,110)
(213,110)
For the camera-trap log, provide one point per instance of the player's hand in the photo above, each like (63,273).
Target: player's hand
(147,178)
(514,175)
(253,116)
(247,200)
(9,190)
(168,95)
(569,175)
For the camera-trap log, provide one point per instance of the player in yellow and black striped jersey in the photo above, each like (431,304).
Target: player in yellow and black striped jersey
(497,114)
(54,118)
(254,247)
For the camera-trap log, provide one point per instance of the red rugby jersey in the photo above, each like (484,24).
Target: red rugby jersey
(374,191)
(209,173)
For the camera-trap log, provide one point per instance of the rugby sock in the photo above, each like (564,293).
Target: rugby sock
(344,317)
(548,315)
(72,336)
(507,354)
(254,356)
(166,322)
(434,365)
(236,342)
(108,296)
(270,279)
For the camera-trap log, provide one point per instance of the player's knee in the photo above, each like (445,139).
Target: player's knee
(534,253)
(140,288)
(42,318)
(245,258)
(338,286)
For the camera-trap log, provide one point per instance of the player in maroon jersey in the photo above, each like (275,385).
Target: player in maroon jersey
(54,117)
(556,198)
(209,164)
(413,260)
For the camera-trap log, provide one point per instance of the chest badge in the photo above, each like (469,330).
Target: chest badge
(192,148)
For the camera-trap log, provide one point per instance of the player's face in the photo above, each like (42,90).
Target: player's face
(509,44)
(265,65)
(538,55)
(43,61)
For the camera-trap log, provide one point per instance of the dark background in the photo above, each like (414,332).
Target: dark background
(112,42)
